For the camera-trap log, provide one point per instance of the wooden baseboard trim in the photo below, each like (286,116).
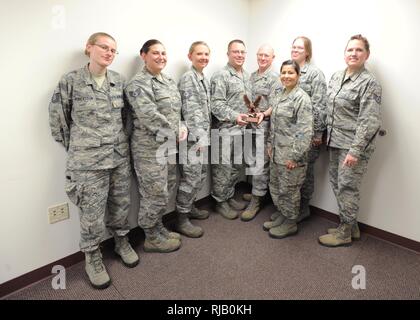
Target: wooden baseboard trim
(38,274)
(137,233)
(44,272)
(378,233)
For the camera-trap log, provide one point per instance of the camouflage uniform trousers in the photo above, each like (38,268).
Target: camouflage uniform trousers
(226,173)
(309,184)
(346,183)
(93,191)
(285,187)
(191,181)
(156,180)
(259,181)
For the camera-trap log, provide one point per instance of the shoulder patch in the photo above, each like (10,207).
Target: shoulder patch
(134,93)
(186,94)
(56,97)
(377,98)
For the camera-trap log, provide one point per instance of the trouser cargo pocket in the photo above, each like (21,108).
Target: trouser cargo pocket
(73,189)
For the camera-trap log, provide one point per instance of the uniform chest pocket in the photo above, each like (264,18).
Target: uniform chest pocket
(84,110)
(83,103)
(306,87)
(163,102)
(262,92)
(162,98)
(83,96)
(204,98)
(286,112)
(236,87)
(350,96)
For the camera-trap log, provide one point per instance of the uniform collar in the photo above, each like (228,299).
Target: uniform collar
(355,75)
(151,76)
(86,76)
(232,70)
(285,95)
(265,73)
(199,75)
(305,67)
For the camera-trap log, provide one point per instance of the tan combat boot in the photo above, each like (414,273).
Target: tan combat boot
(274,223)
(252,209)
(355,232)
(199,214)
(185,227)
(226,211)
(156,242)
(123,248)
(274,215)
(247,196)
(340,238)
(287,228)
(166,233)
(236,204)
(96,271)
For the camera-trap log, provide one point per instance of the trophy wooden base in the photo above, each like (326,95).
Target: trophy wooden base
(252,119)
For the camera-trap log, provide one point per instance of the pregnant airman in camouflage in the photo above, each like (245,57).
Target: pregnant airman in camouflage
(156,110)
(312,81)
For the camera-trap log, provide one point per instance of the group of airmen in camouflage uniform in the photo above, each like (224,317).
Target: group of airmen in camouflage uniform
(100,119)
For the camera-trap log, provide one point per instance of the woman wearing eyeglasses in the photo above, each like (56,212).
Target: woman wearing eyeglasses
(87,115)
(312,81)
(156,110)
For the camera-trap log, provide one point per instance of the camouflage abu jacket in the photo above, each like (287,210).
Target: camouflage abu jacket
(88,120)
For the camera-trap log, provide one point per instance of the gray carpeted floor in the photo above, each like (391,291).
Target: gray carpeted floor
(238,260)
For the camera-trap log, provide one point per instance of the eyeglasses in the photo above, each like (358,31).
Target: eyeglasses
(297,48)
(239,52)
(106,48)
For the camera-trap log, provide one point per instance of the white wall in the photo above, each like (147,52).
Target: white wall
(390,190)
(35,53)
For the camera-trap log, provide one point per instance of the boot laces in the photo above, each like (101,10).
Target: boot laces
(124,246)
(342,230)
(253,203)
(96,261)
(162,230)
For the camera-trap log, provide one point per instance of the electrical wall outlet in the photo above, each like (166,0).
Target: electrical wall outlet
(58,213)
